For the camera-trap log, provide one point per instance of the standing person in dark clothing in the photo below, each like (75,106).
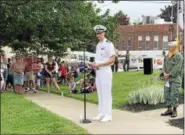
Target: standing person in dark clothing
(50,75)
(116,64)
(10,75)
(164,53)
(127,61)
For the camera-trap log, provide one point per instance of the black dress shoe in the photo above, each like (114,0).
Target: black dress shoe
(174,113)
(168,112)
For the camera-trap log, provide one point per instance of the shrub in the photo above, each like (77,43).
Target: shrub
(151,95)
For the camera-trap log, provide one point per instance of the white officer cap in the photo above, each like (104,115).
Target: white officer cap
(172,43)
(100,28)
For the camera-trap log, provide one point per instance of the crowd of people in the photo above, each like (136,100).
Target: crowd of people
(30,73)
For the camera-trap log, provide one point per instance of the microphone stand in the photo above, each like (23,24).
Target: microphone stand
(85,120)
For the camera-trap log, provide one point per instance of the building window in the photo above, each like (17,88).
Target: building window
(147,43)
(140,45)
(165,42)
(129,45)
(123,45)
(156,42)
(139,42)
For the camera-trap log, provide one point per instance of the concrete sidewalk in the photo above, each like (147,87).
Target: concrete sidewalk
(123,122)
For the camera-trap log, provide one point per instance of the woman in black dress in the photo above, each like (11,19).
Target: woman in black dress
(50,74)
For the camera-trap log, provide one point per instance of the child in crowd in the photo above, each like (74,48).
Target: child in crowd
(86,86)
(72,85)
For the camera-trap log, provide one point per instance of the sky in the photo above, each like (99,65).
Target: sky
(134,9)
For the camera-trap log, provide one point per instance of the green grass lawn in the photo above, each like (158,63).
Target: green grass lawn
(123,84)
(20,116)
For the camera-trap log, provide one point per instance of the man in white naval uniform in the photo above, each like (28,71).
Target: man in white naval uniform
(104,58)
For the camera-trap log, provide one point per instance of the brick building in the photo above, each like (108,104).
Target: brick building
(145,37)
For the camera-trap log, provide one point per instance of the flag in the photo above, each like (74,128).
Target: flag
(180,14)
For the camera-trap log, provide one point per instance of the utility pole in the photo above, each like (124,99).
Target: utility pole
(134,47)
(172,20)
(183,25)
(177,19)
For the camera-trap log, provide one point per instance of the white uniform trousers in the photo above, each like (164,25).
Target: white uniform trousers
(104,90)
(2,82)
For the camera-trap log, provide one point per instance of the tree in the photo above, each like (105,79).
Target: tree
(114,1)
(166,13)
(46,26)
(112,22)
(138,22)
(124,19)
(51,26)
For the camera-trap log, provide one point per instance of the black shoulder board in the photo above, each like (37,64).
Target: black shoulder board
(108,41)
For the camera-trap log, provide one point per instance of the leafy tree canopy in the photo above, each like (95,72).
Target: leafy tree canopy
(53,26)
(166,13)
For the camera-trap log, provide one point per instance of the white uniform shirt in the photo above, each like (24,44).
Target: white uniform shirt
(104,50)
